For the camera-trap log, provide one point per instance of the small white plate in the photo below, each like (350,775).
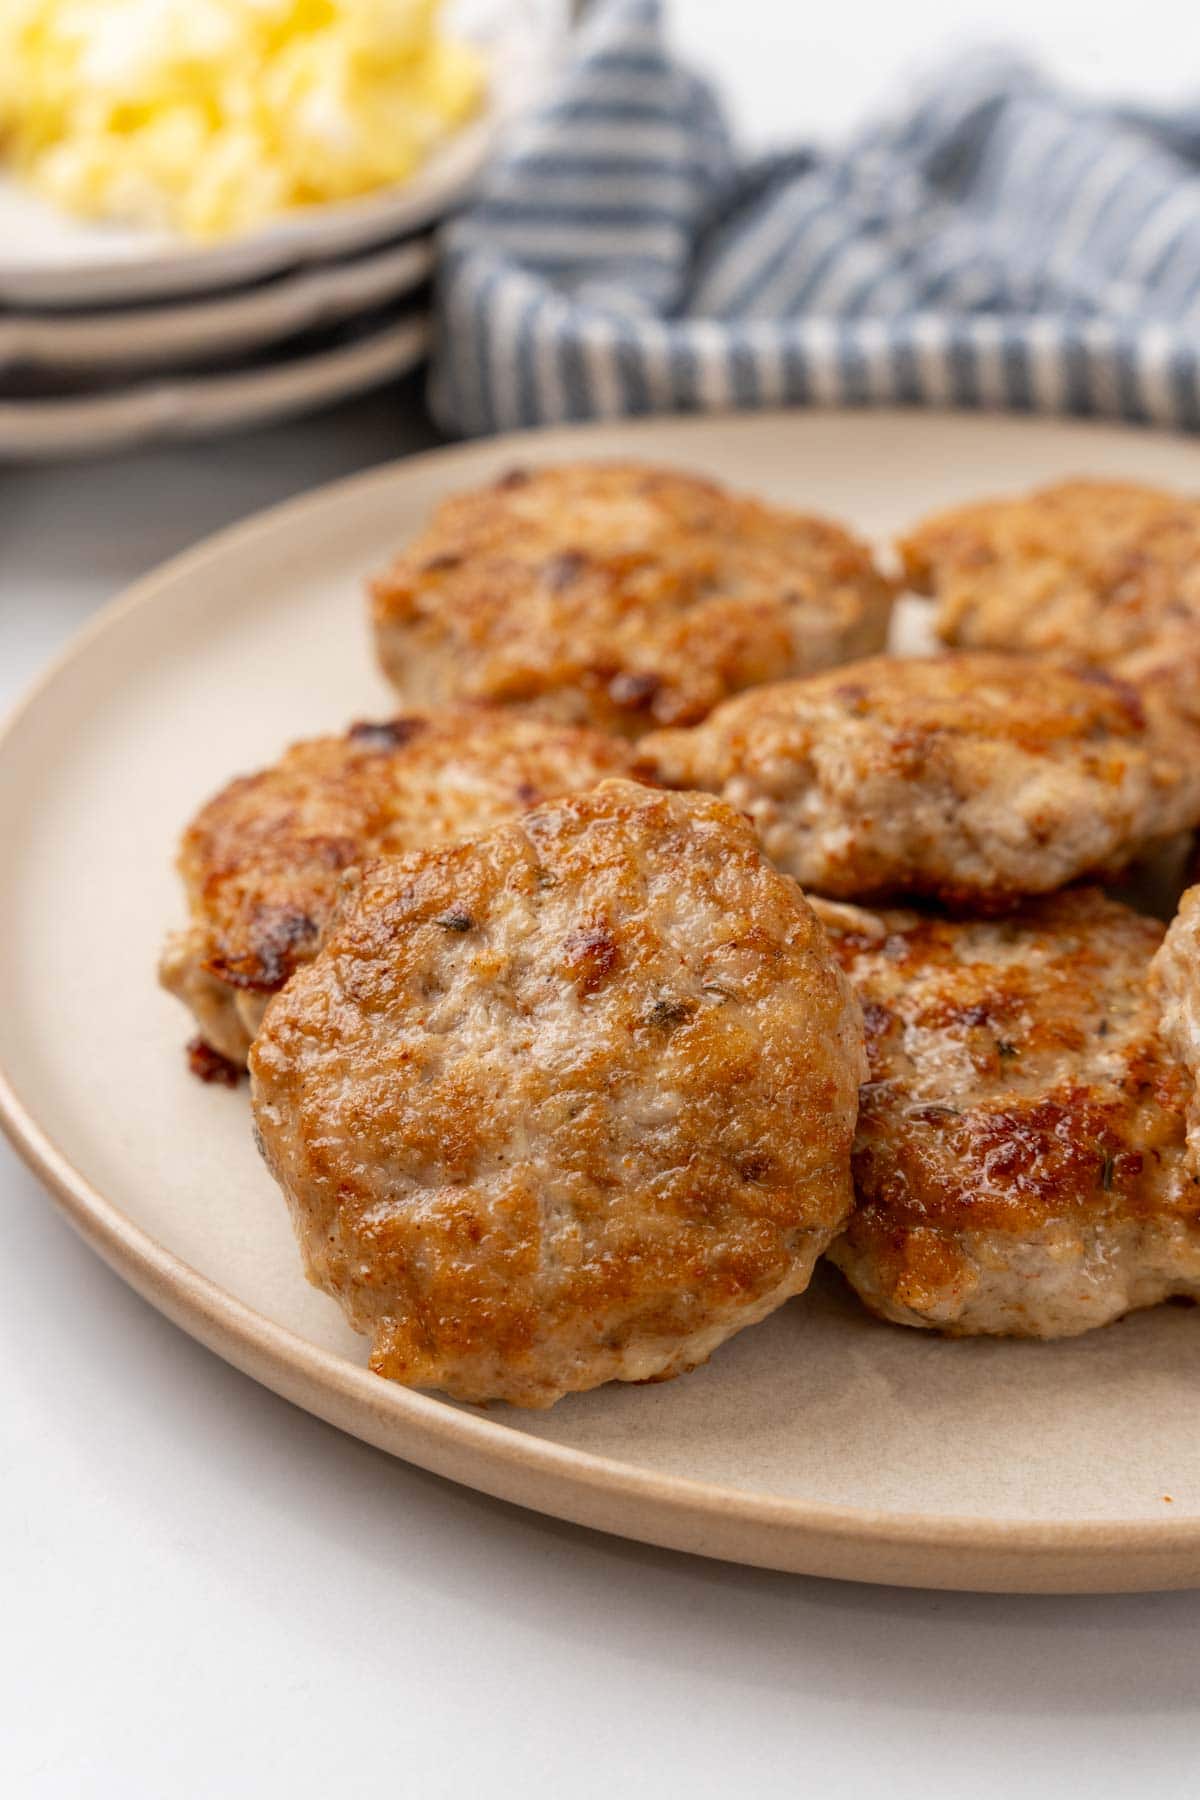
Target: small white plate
(822,1440)
(189,330)
(50,258)
(198,405)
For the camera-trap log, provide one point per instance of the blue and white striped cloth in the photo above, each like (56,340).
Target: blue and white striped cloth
(1000,245)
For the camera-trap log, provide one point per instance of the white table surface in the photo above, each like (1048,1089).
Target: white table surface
(207,1593)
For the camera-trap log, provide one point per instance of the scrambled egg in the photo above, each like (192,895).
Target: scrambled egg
(210,116)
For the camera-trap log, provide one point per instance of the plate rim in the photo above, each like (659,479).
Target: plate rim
(162,405)
(155,336)
(965,1551)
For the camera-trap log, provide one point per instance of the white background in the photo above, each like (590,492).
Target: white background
(794,70)
(207,1593)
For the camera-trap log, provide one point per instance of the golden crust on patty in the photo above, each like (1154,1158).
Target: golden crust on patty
(1093,570)
(1019,1162)
(261,861)
(568,1104)
(1175,980)
(974,778)
(622,596)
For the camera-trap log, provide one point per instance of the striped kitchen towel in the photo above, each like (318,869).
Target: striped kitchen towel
(1001,244)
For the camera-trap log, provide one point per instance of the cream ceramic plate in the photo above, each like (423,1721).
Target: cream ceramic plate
(148,337)
(164,408)
(821,1441)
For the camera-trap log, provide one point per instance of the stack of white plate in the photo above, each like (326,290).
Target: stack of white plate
(111,337)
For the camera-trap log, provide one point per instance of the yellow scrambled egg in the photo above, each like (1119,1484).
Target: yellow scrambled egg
(210,116)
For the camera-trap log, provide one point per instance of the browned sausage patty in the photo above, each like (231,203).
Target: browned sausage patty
(568,1104)
(1176,983)
(1020,1162)
(974,778)
(1094,570)
(621,596)
(261,861)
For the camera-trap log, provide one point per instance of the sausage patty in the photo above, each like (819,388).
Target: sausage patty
(261,861)
(621,596)
(1176,983)
(973,778)
(568,1104)
(1020,1159)
(1093,570)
